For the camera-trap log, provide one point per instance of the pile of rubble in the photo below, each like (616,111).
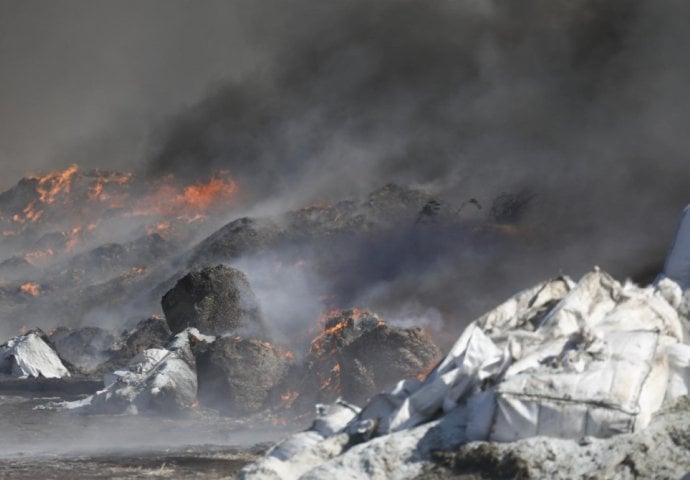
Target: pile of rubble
(212,350)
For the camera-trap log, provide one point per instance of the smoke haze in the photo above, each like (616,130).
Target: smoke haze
(580,105)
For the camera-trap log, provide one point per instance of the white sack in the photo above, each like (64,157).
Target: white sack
(29,356)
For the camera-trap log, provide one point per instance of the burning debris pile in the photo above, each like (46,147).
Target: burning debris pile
(358,354)
(93,241)
(163,366)
(567,360)
(589,359)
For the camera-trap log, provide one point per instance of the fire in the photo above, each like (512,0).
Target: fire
(72,238)
(338,328)
(288,398)
(204,195)
(30,288)
(38,255)
(429,368)
(53,184)
(160,228)
(190,203)
(97,191)
(331,382)
(278,421)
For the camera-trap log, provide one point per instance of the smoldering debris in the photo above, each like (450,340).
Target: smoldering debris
(215,300)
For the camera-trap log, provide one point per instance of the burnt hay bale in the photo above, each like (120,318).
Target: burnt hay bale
(215,300)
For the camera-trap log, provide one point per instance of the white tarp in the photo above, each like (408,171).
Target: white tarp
(29,356)
(595,365)
(154,380)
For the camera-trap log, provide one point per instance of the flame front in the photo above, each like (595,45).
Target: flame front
(189,203)
(30,288)
(52,185)
(77,203)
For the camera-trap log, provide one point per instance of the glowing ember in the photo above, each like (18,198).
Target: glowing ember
(331,382)
(38,255)
(191,202)
(52,185)
(30,288)
(97,191)
(72,238)
(288,398)
(430,368)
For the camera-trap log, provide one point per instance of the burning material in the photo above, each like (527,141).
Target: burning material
(38,255)
(189,203)
(54,184)
(30,288)
(76,203)
(357,354)
(289,397)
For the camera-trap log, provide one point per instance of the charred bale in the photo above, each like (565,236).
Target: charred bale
(380,357)
(236,375)
(150,333)
(214,300)
(358,355)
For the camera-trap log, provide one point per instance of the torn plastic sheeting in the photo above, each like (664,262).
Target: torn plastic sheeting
(517,311)
(642,310)
(588,302)
(481,357)
(30,356)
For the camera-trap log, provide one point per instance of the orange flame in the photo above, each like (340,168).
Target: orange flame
(191,202)
(51,185)
(429,368)
(38,255)
(97,190)
(72,238)
(30,288)
(289,396)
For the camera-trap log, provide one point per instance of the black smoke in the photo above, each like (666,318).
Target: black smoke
(566,117)
(578,107)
